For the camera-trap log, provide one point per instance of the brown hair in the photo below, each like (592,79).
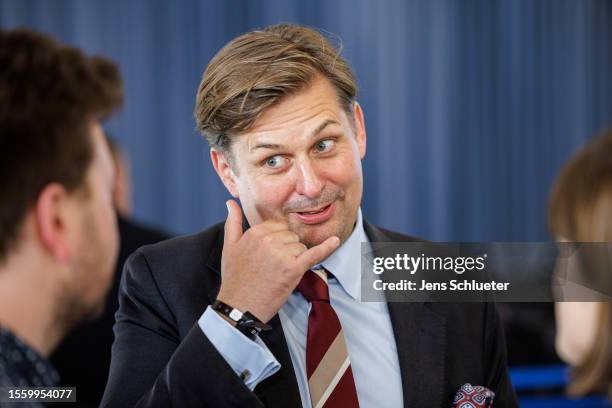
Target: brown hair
(49,96)
(257,69)
(580,210)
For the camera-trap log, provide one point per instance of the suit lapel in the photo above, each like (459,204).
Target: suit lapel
(281,389)
(420,338)
(421,343)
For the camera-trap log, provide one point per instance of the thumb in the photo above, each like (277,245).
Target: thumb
(233,223)
(318,253)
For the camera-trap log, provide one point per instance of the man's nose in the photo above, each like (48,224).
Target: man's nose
(308,182)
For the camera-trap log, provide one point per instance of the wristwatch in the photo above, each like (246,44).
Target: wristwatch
(245,322)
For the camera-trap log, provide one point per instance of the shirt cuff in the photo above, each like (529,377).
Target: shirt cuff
(250,359)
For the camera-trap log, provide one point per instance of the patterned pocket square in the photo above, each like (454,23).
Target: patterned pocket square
(470,396)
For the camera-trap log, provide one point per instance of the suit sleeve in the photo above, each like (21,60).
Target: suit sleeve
(498,379)
(152,367)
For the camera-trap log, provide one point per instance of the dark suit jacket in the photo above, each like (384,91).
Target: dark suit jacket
(161,358)
(83,358)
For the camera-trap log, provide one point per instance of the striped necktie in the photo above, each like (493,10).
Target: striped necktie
(330,378)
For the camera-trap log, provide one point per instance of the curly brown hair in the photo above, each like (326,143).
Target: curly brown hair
(50,94)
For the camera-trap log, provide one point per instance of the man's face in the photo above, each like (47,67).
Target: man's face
(301,163)
(98,243)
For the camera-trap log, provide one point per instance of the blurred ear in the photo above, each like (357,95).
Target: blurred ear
(224,171)
(360,130)
(122,191)
(51,214)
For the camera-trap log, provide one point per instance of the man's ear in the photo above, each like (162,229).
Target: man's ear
(224,171)
(360,130)
(51,215)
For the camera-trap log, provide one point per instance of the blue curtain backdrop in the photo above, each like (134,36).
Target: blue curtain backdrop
(471,106)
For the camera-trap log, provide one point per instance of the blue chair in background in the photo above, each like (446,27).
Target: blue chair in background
(542,387)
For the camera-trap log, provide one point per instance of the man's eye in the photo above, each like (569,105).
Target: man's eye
(274,162)
(324,145)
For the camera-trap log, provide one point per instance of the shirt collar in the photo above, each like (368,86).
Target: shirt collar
(345,262)
(23,364)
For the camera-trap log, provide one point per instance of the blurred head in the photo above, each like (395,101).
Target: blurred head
(580,210)
(287,137)
(122,188)
(56,172)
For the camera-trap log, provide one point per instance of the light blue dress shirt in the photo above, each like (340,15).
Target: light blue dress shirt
(366,326)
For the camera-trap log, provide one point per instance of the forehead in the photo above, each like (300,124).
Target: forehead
(297,115)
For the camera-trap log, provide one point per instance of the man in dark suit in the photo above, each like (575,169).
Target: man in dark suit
(266,311)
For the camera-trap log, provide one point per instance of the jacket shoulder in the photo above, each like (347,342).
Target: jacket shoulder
(378,234)
(181,263)
(187,247)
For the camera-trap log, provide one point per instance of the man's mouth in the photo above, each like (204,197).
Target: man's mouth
(316,215)
(315,211)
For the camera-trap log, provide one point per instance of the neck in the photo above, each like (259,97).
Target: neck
(28,303)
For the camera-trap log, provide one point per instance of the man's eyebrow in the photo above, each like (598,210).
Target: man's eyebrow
(323,125)
(274,146)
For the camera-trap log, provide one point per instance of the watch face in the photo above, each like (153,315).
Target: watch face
(246,322)
(235,315)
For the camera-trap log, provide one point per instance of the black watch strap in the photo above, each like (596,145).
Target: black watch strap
(245,322)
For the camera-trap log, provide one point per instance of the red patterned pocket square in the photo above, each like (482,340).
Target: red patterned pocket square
(470,396)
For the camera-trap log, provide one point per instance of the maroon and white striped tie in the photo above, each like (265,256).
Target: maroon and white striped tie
(330,378)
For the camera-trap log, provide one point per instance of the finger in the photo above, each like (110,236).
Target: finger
(285,237)
(318,253)
(275,225)
(233,223)
(295,249)
(271,226)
